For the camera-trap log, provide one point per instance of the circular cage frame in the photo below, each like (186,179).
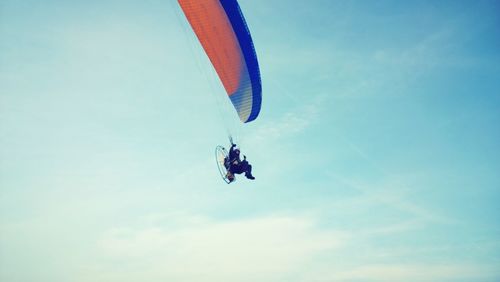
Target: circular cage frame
(221,157)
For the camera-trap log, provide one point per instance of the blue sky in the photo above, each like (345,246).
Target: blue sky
(376,151)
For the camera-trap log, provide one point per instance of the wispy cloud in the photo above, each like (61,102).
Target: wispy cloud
(299,117)
(263,248)
(391,193)
(416,272)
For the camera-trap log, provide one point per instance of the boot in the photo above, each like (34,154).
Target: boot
(249,176)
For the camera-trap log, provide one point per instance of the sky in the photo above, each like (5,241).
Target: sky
(375,153)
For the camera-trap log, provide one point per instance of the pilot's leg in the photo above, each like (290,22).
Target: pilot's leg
(248,172)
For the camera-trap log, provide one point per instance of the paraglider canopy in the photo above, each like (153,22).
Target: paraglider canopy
(224,35)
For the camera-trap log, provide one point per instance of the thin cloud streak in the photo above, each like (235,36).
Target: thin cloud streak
(265,247)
